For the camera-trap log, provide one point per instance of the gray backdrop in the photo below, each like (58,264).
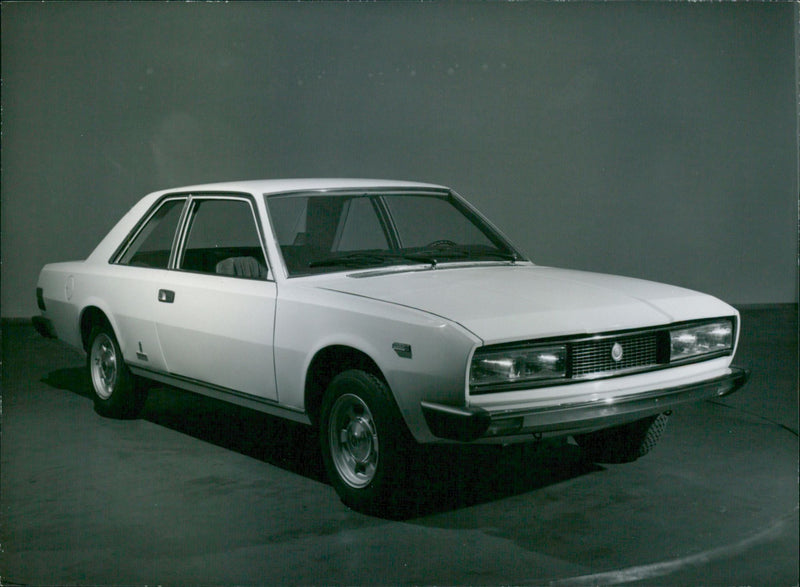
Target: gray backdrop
(652,140)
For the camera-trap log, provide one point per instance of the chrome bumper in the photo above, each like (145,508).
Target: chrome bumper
(466,424)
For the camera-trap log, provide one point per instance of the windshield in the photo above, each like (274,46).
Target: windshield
(320,233)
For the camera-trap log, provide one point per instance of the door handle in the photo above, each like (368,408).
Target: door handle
(166,296)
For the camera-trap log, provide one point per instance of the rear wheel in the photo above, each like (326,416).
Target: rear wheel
(623,444)
(365,443)
(116,392)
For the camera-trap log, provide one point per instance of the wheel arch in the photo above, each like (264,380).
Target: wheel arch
(90,317)
(326,364)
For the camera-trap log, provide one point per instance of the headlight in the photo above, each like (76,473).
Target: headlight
(518,365)
(712,337)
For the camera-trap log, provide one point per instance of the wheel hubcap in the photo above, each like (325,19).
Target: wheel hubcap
(357,438)
(353,441)
(104,366)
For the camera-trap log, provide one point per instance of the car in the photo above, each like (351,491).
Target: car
(389,315)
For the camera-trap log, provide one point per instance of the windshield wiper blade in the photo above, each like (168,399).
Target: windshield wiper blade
(513,257)
(434,257)
(359,259)
(353,259)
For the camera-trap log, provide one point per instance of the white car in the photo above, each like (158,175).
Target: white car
(388,314)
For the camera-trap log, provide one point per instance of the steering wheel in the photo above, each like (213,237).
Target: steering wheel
(441,244)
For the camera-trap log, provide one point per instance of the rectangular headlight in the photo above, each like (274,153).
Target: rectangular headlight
(518,365)
(694,341)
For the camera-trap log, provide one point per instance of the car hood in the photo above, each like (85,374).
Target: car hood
(500,303)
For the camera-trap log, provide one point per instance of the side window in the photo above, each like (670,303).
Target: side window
(151,246)
(223,239)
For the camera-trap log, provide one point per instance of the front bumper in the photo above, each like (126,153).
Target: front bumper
(466,424)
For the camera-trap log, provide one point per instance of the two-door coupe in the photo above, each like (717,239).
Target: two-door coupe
(388,314)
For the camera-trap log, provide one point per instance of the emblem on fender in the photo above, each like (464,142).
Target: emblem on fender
(616,352)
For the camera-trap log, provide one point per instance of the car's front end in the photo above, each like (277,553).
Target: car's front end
(557,352)
(578,384)
(540,350)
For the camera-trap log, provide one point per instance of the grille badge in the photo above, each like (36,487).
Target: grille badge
(616,352)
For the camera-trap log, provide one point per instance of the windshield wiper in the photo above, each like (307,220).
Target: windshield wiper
(439,256)
(513,257)
(352,259)
(434,257)
(364,259)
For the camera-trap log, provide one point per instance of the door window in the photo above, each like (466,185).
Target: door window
(223,239)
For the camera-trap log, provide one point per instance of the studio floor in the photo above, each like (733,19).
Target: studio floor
(199,492)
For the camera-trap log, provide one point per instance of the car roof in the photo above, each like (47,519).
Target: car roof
(273,186)
(109,244)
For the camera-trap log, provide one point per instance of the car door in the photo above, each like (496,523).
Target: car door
(216,310)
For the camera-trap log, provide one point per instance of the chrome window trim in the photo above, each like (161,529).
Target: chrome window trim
(186,222)
(122,249)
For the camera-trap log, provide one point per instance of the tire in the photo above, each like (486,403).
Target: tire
(115,390)
(365,442)
(626,443)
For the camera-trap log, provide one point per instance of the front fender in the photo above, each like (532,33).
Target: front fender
(422,357)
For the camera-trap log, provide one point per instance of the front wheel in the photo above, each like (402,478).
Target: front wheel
(115,390)
(365,443)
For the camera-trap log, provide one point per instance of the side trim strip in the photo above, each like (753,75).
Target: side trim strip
(245,400)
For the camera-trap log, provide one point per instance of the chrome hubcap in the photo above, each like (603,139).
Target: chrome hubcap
(104,366)
(353,440)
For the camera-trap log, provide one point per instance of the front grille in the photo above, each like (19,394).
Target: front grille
(592,358)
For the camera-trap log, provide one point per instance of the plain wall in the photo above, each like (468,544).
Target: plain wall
(656,140)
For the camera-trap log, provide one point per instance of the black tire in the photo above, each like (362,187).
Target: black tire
(365,443)
(115,390)
(623,444)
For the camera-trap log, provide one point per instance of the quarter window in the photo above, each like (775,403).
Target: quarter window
(152,244)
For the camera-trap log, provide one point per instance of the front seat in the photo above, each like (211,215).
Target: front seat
(242,267)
